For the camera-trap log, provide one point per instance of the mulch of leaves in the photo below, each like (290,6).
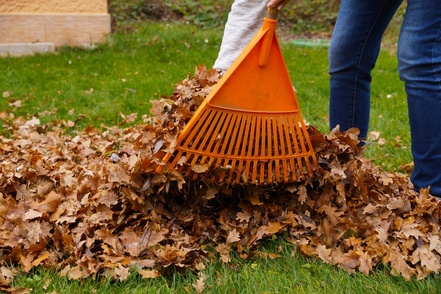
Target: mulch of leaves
(92,204)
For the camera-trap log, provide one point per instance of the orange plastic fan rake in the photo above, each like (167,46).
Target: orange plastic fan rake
(249,128)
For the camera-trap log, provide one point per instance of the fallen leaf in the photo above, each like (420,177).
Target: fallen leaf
(200,284)
(149,274)
(32,214)
(233,236)
(200,168)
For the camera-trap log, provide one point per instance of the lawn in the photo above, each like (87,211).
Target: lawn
(102,86)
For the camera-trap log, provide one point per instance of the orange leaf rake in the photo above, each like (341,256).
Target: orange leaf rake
(249,128)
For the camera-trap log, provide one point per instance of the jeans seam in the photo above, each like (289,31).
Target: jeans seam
(438,37)
(359,62)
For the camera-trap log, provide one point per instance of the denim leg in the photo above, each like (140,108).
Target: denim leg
(419,62)
(353,52)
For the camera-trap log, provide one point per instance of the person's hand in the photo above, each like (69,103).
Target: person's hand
(277,3)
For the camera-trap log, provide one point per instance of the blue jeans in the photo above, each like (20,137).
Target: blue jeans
(354,49)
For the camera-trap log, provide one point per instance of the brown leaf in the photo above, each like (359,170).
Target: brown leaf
(156,237)
(427,258)
(399,265)
(243,216)
(386,180)
(268,255)
(121,273)
(365,263)
(118,174)
(6,276)
(224,251)
(233,236)
(200,283)
(411,228)
(50,203)
(129,118)
(400,204)
(211,193)
(40,259)
(435,243)
(303,195)
(324,254)
(200,168)
(374,135)
(132,242)
(274,228)
(255,199)
(371,209)
(149,274)
(32,214)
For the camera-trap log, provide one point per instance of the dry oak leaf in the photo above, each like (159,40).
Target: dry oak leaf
(365,262)
(211,193)
(274,228)
(399,264)
(255,199)
(233,236)
(224,251)
(32,214)
(324,254)
(302,192)
(200,168)
(243,216)
(427,258)
(200,283)
(149,274)
(269,255)
(435,242)
(6,276)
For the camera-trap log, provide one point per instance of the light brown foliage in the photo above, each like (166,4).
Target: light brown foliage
(92,204)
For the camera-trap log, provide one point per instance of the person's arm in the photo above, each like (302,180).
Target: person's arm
(244,20)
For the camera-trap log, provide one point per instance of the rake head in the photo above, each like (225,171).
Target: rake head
(249,128)
(233,147)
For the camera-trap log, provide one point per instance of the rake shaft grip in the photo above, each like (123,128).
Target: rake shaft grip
(273,13)
(271,17)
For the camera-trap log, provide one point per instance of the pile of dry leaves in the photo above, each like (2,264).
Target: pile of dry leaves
(92,205)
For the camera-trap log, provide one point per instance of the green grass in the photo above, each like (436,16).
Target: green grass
(288,273)
(134,68)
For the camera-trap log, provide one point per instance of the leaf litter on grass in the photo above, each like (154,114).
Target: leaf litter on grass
(92,204)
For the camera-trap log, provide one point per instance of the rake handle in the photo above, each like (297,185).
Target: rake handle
(273,13)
